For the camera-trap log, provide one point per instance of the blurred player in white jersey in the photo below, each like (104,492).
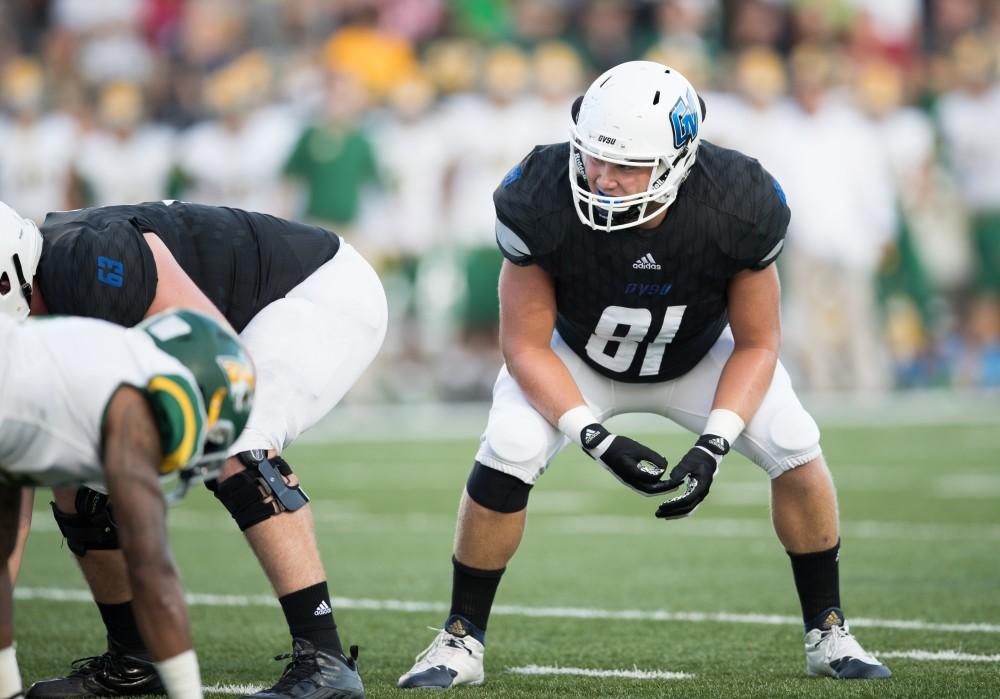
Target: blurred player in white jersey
(235,159)
(89,402)
(108,157)
(37,146)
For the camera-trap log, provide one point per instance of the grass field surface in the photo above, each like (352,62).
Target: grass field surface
(602,600)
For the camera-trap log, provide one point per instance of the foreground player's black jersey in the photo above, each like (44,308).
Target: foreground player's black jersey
(95,262)
(643,305)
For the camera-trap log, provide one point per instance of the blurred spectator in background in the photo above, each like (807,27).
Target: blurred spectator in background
(109,45)
(334,161)
(557,75)
(236,157)
(125,160)
(756,23)
(405,229)
(37,147)
(685,25)
(907,137)
(539,21)
(404,114)
(379,60)
(608,35)
(975,351)
(970,123)
(487,131)
(843,218)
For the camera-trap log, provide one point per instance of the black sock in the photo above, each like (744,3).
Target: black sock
(121,626)
(817,579)
(310,617)
(472,592)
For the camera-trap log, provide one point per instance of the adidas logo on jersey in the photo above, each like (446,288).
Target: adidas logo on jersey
(646,262)
(322,609)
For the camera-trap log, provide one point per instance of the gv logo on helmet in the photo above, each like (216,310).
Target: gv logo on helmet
(606,139)
(684,120)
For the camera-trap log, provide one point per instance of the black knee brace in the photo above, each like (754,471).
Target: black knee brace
(259,492)
(92,527)
(496,490)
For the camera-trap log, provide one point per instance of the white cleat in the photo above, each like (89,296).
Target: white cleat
(452,658)
(832,651)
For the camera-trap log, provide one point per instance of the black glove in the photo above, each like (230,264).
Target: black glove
(698,466)
(635,465)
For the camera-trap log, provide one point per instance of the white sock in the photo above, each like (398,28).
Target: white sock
(180,676)
(10,676)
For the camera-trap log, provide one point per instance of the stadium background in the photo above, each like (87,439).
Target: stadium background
(391,122)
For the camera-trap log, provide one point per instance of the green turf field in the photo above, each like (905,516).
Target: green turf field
(598,584)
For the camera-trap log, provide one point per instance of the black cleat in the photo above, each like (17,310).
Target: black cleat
(117,673)
(316,674)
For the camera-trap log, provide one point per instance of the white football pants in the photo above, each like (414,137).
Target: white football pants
(520,442)
(310,347)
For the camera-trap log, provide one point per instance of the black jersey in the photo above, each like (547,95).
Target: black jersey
(95,262)
(643,305)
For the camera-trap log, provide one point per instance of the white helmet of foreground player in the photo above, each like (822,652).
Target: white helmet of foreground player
(20,250)
(642,114)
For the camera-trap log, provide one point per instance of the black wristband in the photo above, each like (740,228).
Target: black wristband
(714,443)
(592,435)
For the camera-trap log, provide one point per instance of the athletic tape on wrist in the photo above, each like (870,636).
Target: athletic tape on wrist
(724,423)
(574,420)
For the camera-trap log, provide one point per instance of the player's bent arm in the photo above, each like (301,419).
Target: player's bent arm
(132,454)
(174,288)
(527,320)
(755,319)
(754,299)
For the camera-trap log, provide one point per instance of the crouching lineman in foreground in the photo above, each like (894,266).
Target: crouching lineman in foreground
(639,278)
(88,402)
(312,314)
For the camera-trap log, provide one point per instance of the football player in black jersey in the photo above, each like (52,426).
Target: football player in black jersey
(312,314)
(639,277)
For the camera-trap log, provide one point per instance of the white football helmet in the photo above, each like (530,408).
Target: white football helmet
(20,250)
(638,113)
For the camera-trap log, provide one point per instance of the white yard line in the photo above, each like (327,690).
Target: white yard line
(938,655)
(349,519)
(236,689)
(635,674)
(412,606)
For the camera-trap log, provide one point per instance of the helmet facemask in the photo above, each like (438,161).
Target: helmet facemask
(603,212)
(638,114)
(225,379)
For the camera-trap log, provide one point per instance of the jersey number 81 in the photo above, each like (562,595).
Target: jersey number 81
(638,322)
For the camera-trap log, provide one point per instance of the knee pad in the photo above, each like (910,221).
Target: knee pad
(92,527)
(496,490)
(259,491)
(794,430)
(517,439)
